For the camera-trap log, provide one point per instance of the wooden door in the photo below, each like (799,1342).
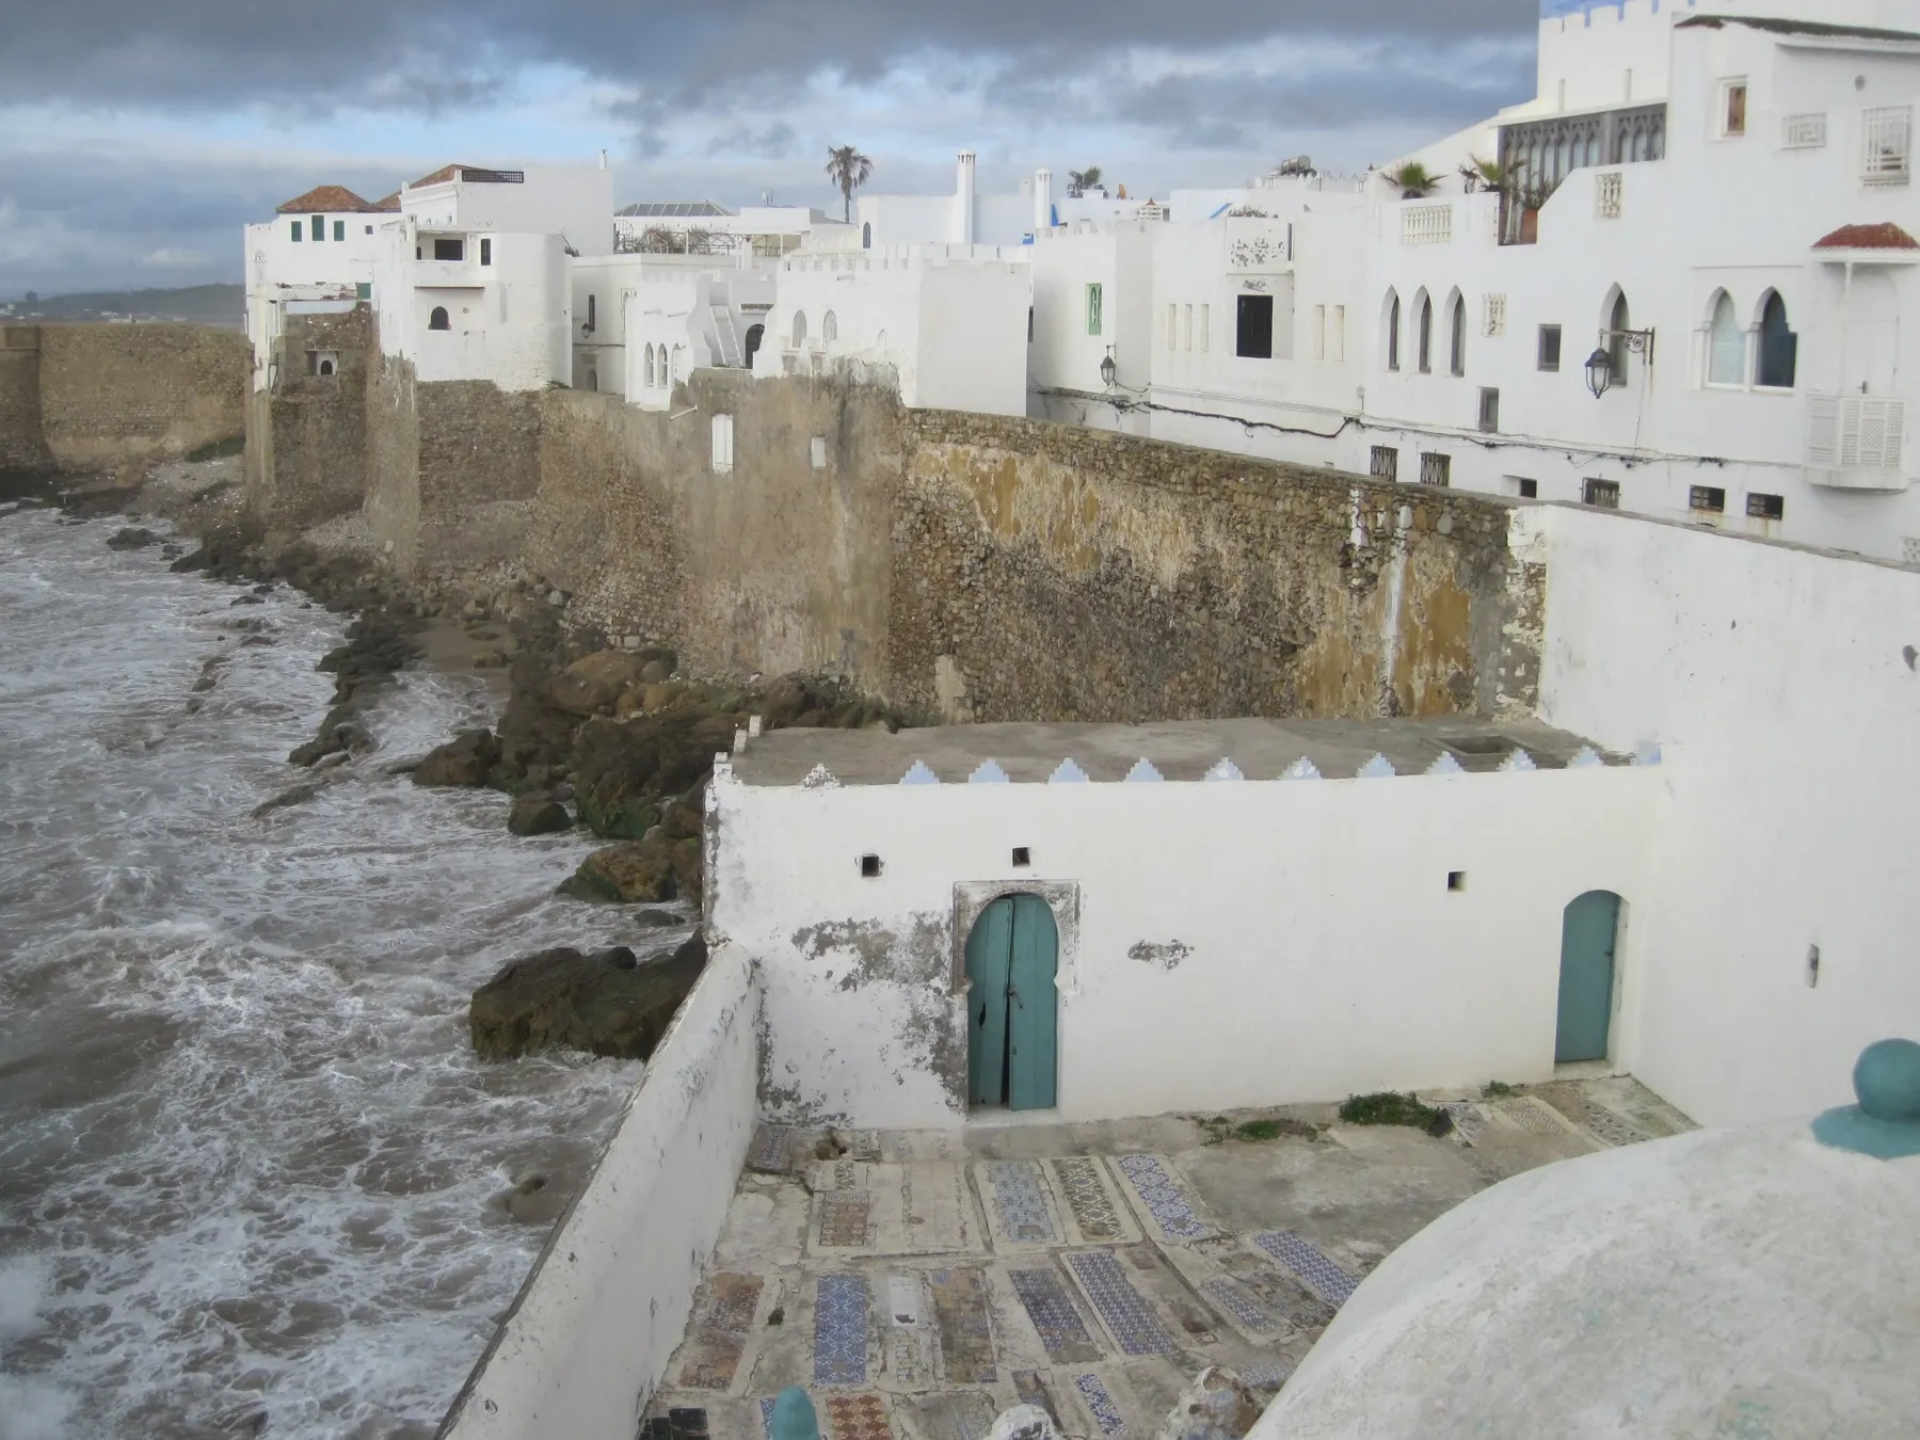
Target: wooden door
(1012,959)
(1587,933)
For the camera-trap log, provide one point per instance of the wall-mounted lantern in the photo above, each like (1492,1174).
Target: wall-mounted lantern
(1108,370)
(1600,364)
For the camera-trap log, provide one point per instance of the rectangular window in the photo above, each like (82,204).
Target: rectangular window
(339,229)
(1767,507)
(1186,327)
(449,249)
(1602,493)
(369,229)
(299,232)
(363,290)
(1549,347)
(1094,306)
(319,224)
(1384,463)
(1710,499)
(486,250)
(1319,332)
(817,450)
(1526,489)
(1253,338)
(1489,410)
(1337,348)
(1206,328)
(592,318)
(1888,146)
(1436,469)
(1733,108)
(722,443)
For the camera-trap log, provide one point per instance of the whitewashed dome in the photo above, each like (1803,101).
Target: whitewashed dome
(1751,1283)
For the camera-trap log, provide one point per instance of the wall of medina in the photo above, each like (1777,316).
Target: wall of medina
(1222,944)
(1783,688)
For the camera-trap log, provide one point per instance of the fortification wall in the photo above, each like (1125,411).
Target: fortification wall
(23,444)
(392,497)
(307,440)
(477,470)
(125,394)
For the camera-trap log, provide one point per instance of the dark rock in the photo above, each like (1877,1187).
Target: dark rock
(1441,1125)
(317,749)
(606,1003)
(639,872)
(296,795)
(192,560)
(538,815)
(594,681)
(463,760)
(657,919)
(131,538)
(655,672)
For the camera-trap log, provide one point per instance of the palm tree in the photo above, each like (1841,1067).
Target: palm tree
(1478,174)
(1413,179)
(849,170)
(1081,181)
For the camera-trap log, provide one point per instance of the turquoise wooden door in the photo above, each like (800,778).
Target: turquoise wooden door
(1012,958)
(1587,932)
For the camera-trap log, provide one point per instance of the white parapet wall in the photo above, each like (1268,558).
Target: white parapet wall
(1243,943)
(590,1334)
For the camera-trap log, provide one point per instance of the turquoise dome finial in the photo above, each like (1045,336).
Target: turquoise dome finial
(1886,1122)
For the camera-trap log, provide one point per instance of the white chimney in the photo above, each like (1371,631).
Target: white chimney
(1042,200)
(963,201)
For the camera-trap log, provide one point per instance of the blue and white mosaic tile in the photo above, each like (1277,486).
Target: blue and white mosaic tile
(1143,771)
(1446,765)
(1301,769)
(1332,1283)
(1378,768)
(1165,1203)
(1067,772)
(1022,1203)
(1647,754)
(766,1416)
(989,773)
(918,773)
(1126,1315)
(1266,1377)
(820,778)
(840,1331)
(1225,770)
(1236,1300)
(1105,1413)
(1518,761)
(769,1154)
(1585,758)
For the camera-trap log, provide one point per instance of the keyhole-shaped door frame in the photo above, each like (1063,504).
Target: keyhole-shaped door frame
(971,902)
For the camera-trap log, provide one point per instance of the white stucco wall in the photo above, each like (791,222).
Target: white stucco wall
(1223,944)
(575,201)
(510,321)
(1780,686)
(589,1337)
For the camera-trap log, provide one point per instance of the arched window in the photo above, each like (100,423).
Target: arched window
(1457,336)
(829,328)
(648,372)
(1393,330)
(799,328)
(1619,321)
(1425,322)
(438,319)
(1726,345)
(326,367)
(866,236)
(1779,346)
(755,334)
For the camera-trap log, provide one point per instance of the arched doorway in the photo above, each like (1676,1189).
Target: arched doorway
(1589,930)
(1013,955)
(755,334)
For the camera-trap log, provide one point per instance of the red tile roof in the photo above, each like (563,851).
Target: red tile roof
(445,172)
(386,202)
(324,199)
(1868,237)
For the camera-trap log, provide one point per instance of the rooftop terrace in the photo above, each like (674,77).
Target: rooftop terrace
(919,1283)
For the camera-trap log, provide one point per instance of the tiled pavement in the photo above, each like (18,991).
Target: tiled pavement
(922,1282)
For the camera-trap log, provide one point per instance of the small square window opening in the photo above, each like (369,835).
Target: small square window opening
(869,867)
(1527,489)
(1022,857)
(1384,463)
(1456,880)
(1767,507)
(486,250)
(1733,108)
(1489,410)
(1602,493)
(1549,347)
(1710,498)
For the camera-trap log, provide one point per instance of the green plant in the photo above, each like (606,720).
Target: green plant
(1081,181)
(1387,1108)
(1494,1089)
(626,818)
(849,170)
(216,450)
(1258,1130)
(1414,180)
(1478,174)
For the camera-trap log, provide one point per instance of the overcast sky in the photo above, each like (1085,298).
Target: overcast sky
(136,136)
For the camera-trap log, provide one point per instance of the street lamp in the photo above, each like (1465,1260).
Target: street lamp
(1108,370)
(1599,372)
(1600,365)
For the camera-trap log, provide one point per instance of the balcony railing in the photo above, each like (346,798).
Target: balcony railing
(1538,155)
(1856,442)
(1426,225)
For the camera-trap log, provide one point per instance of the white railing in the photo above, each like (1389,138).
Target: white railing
(1803,132)
(1426,225)
(1886,156)
(1608,189)
(1856,442)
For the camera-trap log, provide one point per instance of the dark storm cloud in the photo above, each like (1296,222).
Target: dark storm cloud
(425,53)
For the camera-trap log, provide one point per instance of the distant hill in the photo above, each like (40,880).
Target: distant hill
(224,305)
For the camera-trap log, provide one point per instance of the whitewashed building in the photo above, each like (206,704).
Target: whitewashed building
(966,217)
(704,227)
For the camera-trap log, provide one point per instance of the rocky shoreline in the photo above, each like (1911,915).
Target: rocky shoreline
(611,738)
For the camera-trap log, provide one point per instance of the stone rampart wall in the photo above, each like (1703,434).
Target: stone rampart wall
(307,445)
(23,443)
(126,394)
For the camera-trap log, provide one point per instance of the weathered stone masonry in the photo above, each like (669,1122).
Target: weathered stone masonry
(307,434)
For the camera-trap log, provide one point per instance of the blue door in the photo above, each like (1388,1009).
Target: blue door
(1012,959)
(1587,934)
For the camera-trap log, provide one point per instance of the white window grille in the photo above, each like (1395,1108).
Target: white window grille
(1608,188)
(722,443)
(1493,316)
(1910,551)
(1803,132)
(1855,432)
(1887,151)
(1426,225)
